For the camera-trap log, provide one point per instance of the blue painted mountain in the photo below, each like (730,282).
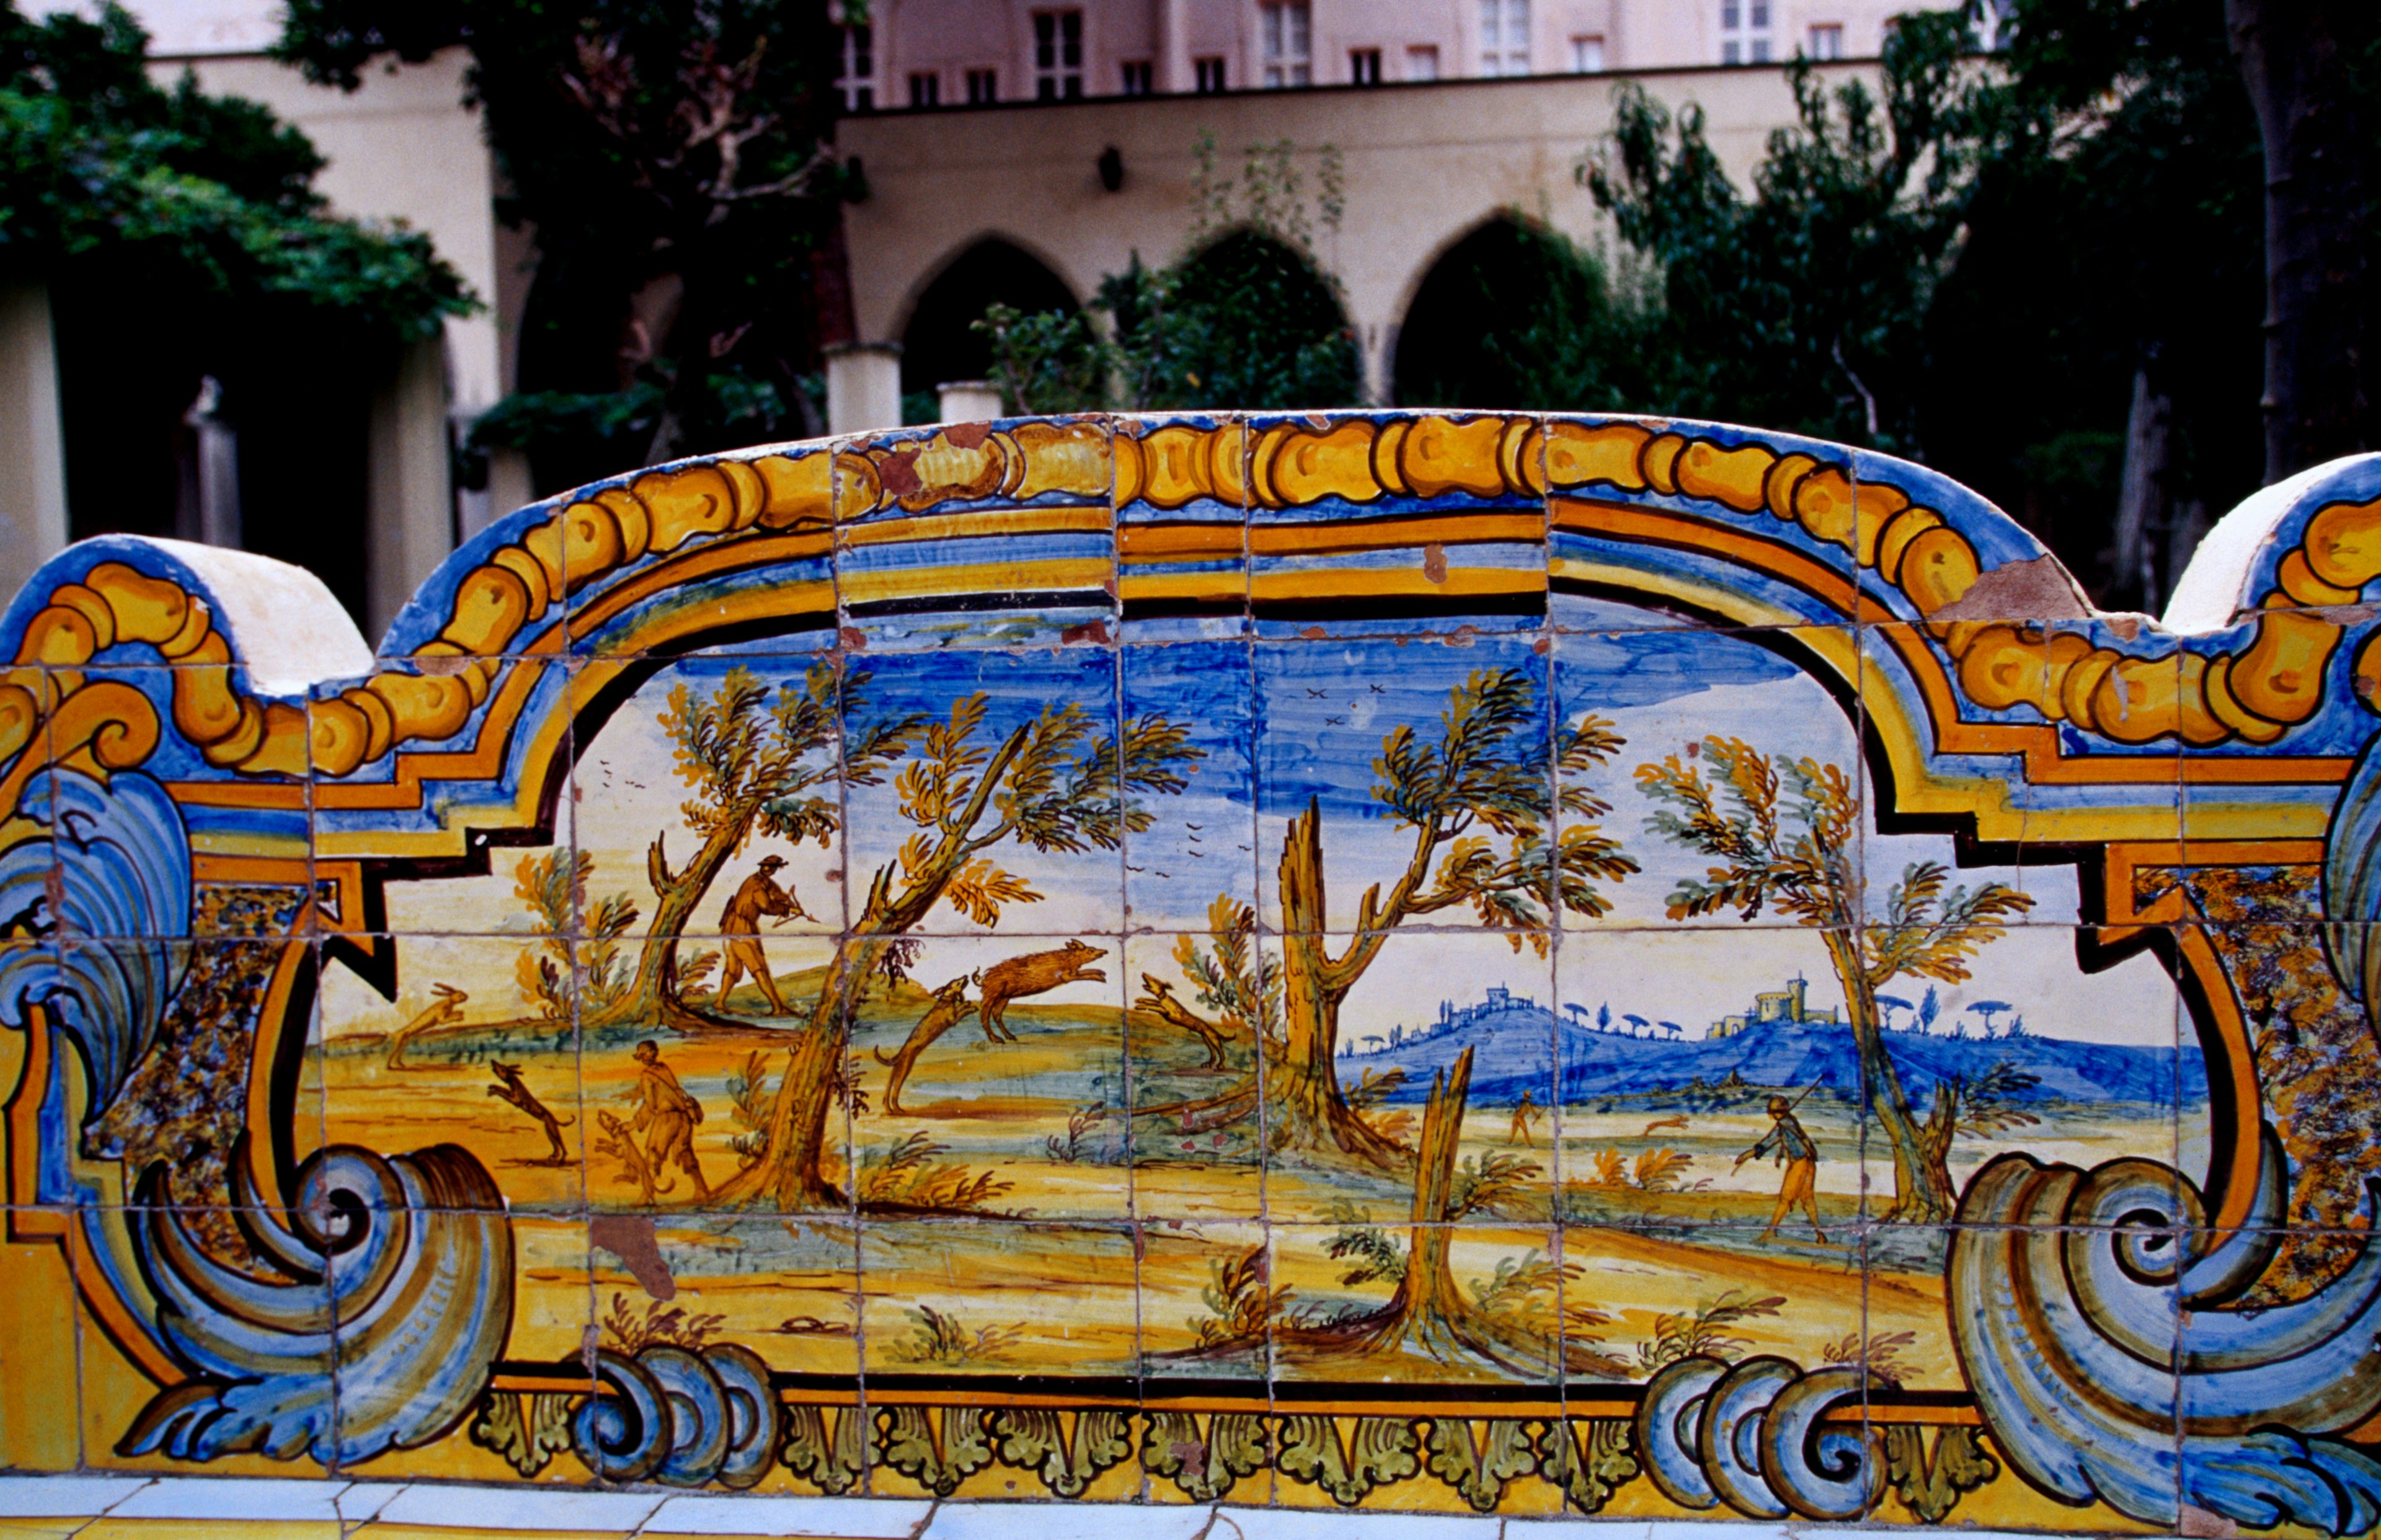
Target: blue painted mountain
(1514,1045)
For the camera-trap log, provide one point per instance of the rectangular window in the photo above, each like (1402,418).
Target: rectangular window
(1587,55)
(925,89)
(1210,75)
(1504,37)
(1827,42)
(1422,63)
(1364,67)
(1136,77)
(858,81)
(1286,34)
(983,85)
(1057,56)
(1744,31)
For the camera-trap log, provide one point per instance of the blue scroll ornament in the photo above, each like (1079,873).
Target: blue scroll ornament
(389,1278)
(2092,1310)
(117,865)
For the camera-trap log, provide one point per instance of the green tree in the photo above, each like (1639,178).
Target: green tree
(194,199)
(1783,835)
(1246,318)
(673,160)
(1804,306)
(1520,316)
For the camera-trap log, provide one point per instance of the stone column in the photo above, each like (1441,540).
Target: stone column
(410,497)
(968,401)
(32,438)
(863,386)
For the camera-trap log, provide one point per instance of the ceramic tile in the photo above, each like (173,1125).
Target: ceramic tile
(1651,725)
(1181,522)
(1199,846)
(1395,523)
(1673,1043)
(285,1500)
(38,1389)
(977,534)
(1699,520)
(218,1529)
(1047,1155)
(469,1040)
(1469,1013)
(1044,849)
(477,1508)
(126,1425)
(960,1297)
(2034,1054)
(843,1519)
(742,739)
(1353,729)
(64,1496)
(633,554)
(1088,1522)
(373,740)
(1208,1306)
(1195,1071)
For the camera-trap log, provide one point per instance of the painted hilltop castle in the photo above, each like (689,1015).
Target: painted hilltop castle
(1788,1006)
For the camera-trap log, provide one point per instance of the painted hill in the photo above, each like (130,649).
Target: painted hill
(1515,1047)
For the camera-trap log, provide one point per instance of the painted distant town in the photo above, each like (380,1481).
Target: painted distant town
(1625,1056)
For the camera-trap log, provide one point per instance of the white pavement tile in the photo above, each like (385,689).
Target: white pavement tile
(1041,1520)
(845,1517)
(1285,1523)
(64,1496)
(520,1508)
(232,1498)
(362,1501)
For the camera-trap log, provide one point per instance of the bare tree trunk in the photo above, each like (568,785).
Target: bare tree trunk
(791,1172)
(1921,1175)
(652,998)
(2141,497)
(1311,1111)
(2315,310)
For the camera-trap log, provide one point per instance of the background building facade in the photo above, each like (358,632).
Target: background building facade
(1013,150)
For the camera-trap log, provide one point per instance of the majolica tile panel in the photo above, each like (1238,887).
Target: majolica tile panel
(1478,964)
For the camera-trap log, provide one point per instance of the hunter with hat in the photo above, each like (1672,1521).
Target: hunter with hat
(1793,1146)
(739,929)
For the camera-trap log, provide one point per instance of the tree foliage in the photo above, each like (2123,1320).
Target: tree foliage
(1485,770)
(1246,318)
(673,160)
(580,939)
(1783,835)
(204,197)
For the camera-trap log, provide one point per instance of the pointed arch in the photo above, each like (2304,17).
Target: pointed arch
(939,342)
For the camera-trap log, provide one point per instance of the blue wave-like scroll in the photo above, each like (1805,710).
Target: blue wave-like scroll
(2088,1316)
(116,868)
(401,1298)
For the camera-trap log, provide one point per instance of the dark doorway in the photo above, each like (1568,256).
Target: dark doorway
(296,388)
(941,343)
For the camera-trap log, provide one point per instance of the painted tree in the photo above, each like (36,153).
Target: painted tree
(1513,1321)
(579,950)
(1479,798)
(1783,834)
(1484,770)
(1052,784)
(750,765)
